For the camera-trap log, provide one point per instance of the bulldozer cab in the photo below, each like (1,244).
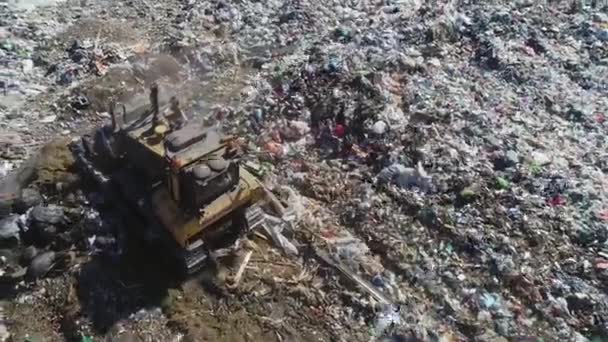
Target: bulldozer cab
(201,166)
(197,163)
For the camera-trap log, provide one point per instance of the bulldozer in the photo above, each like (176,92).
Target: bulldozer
(184,180)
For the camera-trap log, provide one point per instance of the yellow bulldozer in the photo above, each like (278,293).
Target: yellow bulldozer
(185,180)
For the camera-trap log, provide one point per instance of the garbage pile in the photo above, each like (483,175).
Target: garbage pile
(444,158)
(444,167)
(49,52)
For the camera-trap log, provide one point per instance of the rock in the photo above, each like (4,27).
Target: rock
(41,264)
(29,198)
(9,230)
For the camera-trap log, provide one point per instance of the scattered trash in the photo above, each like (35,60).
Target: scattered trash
(489,301)
(48,119)
(241,270)
(9,229)
(603,215)
(502,183)
(4,333)
(85,338)
(29,253)
(350,251)
(340,130)
(387,318)
(379,127)
(378,281)
(275,149)
(42,215)
(296,130)
(406,177)
(274,228)
(80,102)
(5,168)
(27,65)
(556,200)
(367,287)
(450,159)
(468,194)
(29,198)
(540,158)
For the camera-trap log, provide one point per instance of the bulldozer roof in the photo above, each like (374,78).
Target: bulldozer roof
(186,144)
(188,135)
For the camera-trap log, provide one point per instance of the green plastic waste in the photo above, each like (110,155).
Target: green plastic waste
(535,169)
(468,194)
(7,45)
(502,183)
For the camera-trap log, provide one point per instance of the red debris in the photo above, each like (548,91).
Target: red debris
(100,68)
(556,200)
(275,135)
(340,130)
(603,215)
(274,148)
(220,114)
(328,234)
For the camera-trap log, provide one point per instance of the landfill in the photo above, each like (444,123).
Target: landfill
(443,164)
